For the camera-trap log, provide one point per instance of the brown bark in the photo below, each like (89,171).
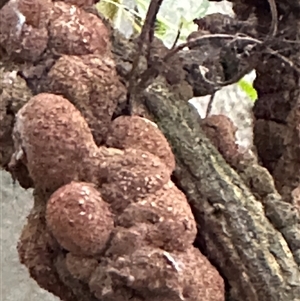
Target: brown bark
(248,227)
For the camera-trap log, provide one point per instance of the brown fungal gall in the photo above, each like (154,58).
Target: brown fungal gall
(74,31)
(79,219)
(23,31)
(126,240)
(97,90)
(167,217)
(14,94)
(156,275)
(140,133)
(80,3)
(37,250)
(54,141)
(130,176)
(81,268)
(221,131)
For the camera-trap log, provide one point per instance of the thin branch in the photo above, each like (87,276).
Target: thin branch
(177,36)
(192,43)
(274,23)
(146,35)
(210,103)
(198,41)
(145,38)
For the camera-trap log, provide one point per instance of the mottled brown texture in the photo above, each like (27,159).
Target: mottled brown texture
(258,257)
(221,132)
(126,240)
(79,219)
(80,268)
(13,95)
(78,288)
(80,3)
(157,275)
(90,82)
(128,177)
(296,198)
(140,133)
(23,28)
(278,143)
(269,141)
(287,171)
(168,218)
(76,32)
(37,250)
(51,137)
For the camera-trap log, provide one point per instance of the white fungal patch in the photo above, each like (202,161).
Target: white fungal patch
(85,190)
(9,77)
(20,16)
(19,154)
(18,137)
(172,261)
(72,10)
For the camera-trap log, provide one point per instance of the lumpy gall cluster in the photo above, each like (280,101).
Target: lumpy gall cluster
(108,223)
(112,217)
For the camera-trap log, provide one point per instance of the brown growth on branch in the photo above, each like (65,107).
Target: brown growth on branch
(137,230)
(145,135)
(133,184)
(79,219)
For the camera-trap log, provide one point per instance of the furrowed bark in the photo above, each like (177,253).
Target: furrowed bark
(233,229)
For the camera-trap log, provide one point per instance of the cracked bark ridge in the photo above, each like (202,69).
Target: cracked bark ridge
(128,207)
(233,230)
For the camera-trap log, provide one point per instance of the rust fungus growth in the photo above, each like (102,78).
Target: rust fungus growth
(91,83)
(127,131)
(76,32)
(51,137)
(130,176)
(79,219)
(158,275)
(221,131)
(23,28)
(168,218)
(108,223)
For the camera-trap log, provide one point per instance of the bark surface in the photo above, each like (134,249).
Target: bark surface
(246,209)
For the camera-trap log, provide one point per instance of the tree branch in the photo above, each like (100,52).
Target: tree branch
(233,229)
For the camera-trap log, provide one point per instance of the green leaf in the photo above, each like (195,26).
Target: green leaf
(248,89)
(109,9)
